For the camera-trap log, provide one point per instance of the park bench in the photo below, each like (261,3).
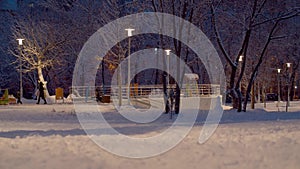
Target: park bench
(12,99)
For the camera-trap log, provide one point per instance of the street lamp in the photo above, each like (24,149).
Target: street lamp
(278,84)
(288,81)
(129,34)
(241,58)
(168,67)
(20,42)
(168,82)
(295,92)
(240,69)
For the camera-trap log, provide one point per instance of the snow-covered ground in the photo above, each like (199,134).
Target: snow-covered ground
(50,137)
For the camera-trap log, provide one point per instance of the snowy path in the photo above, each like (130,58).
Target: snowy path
(50,137)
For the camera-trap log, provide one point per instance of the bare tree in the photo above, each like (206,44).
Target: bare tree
(185,10)
(42,46)
(257,14)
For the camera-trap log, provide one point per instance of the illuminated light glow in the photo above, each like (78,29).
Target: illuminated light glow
(241,58)
(129,31)
(20,41)
(278,70)
(168,51)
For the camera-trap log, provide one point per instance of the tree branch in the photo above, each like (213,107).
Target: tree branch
(219,41)
(278,18)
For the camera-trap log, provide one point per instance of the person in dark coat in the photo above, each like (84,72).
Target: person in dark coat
(98,95)
(19,98)
(41,93)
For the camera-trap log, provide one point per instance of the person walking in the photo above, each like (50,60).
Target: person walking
(41,93)
(19,98)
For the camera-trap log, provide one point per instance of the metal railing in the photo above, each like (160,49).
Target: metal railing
(92,92)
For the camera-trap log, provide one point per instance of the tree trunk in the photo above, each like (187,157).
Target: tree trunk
(165,90)
(292,86)
(258,93)
(253,97)
(235,98)
(103,74)
(161,40)
(264,96)
(235,92)
(41,78)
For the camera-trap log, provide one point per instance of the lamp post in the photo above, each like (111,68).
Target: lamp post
(20,42)
(295,88)
(129,34)
(168,81)
(278,85)
(157,62)
(240,70)
(168,67)
(288,89)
